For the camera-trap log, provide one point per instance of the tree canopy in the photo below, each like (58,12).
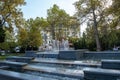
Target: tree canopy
(31,34)
(92,12)
(101,16)
(57,18)
(10,15)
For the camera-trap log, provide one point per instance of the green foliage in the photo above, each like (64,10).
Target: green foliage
(10,13)
(87,41)
(9,43)
(57,18)
(102,25)
(92,12)
(30,35)
(23,37)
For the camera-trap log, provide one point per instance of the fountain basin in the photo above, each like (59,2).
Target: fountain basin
(71,54)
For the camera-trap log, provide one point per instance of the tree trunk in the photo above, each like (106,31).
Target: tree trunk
(96,32)
(2,34)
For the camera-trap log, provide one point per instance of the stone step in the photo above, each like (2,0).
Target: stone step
(72,73)
(10,75)
(110,64)
(4,67)
(101,74)
(67,62)
(20,59)
(15,65)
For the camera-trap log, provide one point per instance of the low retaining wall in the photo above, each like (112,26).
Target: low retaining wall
(71,54)
(102,55)
(75,54)
(30,53)
(41,54)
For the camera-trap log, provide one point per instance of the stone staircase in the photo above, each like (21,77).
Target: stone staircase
(58,69)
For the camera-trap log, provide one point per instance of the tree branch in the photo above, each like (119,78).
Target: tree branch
(4,18)
(3,7)
(101,16)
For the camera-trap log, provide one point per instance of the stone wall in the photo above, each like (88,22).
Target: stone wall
(102,55)
(71,54)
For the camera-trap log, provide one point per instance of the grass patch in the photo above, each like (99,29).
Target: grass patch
(3,57)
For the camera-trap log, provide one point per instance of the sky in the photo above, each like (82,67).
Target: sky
(38,8)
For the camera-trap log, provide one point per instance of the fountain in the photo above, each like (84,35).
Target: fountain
(60,45)
(62,64)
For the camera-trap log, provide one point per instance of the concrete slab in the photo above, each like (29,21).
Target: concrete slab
(71,54)
(101,74)
(10,75)
(42,54)
(66,62)
(13,65)
(30,53)
(56,71)
(102,55)
(4,67)
(20,59)
(111,64)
